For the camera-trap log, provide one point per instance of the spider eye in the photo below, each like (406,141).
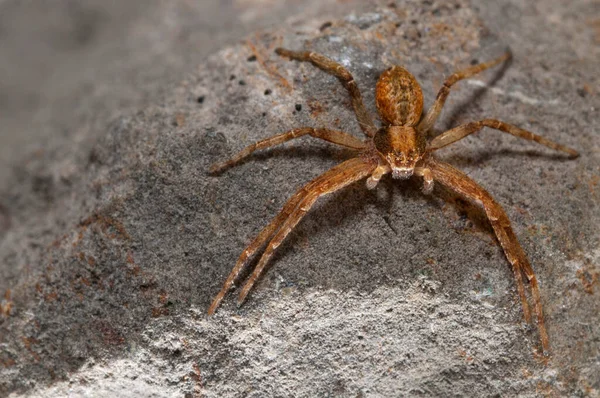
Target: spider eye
(399,156)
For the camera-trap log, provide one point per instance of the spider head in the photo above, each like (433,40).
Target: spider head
(401,147)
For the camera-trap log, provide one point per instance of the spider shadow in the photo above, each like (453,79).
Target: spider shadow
(314,150)
(346,208)
(480,158)
(458,110)
(326,215)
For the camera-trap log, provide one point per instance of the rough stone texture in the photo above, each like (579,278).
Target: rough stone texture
(67,67)
(112,250)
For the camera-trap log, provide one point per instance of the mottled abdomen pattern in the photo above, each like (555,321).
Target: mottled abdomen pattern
(399,98)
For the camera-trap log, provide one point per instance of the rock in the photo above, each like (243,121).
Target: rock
(376,293)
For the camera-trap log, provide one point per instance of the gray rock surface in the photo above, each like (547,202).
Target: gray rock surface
(67,67)
(114,239)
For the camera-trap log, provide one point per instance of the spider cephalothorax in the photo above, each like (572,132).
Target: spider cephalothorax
(399,147)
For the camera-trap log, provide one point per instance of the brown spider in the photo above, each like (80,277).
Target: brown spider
(399,147)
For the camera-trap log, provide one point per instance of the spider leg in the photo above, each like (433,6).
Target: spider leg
(460,132)
(336,178)
(344,76)
(461,183)
(256,244)
(434,112)
(334,136)
(427,179)
(271,228)
(379,172)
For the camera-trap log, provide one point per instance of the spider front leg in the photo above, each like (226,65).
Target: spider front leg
(332,180)
(379,172)
(333,136)
(461,183)
(434,112)
(344,76)
(427,179)
(460,132)
(256,244)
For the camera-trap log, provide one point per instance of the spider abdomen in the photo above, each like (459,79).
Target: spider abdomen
(398,97)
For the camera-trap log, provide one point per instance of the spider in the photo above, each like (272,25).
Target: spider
(400,147)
